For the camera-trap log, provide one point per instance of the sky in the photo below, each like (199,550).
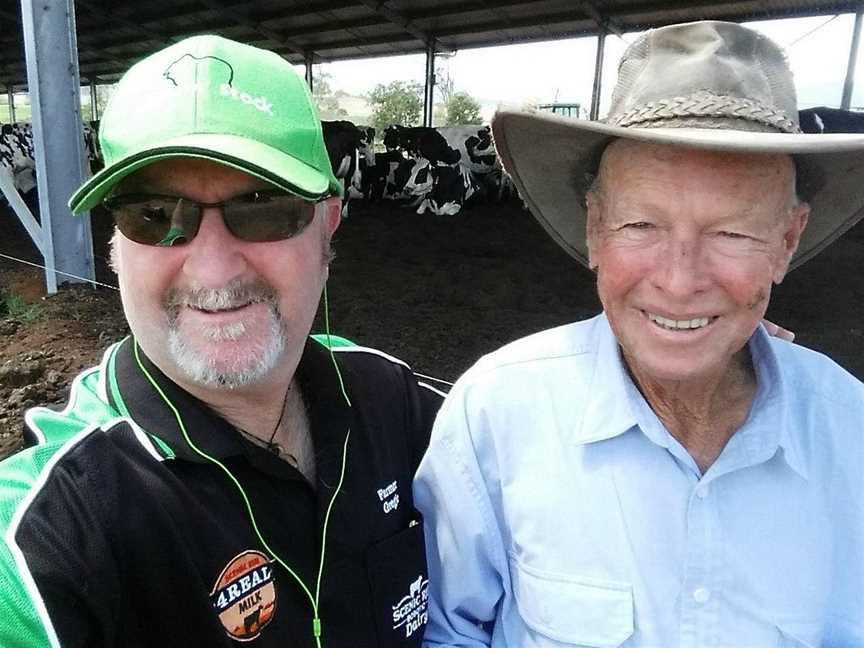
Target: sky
(563,71)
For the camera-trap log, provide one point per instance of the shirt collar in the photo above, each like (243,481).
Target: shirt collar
(771,424)
(616,405)
(608,411)
(132,393)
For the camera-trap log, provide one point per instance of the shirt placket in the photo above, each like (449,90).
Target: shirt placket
(701,587)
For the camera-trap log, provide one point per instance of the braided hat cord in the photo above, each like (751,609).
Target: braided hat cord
(705,105)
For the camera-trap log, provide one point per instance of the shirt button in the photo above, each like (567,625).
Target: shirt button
(701,595)
(702,492)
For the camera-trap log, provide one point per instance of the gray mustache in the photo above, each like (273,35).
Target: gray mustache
(233,295)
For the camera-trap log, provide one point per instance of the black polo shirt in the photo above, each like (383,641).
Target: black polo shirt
(134,539)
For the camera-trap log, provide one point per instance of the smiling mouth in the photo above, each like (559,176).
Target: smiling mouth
(680,325)
(217,311)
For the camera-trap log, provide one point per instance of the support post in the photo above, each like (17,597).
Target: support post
(598,76)
(309,80)
(429,92)
(94,101)
(51,48)
(849,85)
(10,92)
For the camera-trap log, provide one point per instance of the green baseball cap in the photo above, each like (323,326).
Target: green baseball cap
(213,98)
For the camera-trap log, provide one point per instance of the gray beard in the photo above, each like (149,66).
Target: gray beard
(200,369)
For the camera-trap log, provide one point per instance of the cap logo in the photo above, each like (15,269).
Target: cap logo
(244,595)
(185,69)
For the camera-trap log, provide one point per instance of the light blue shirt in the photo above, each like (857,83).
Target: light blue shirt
(560,512)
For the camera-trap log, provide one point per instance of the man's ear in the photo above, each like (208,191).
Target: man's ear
(799,215)
(593,208)
(332,215)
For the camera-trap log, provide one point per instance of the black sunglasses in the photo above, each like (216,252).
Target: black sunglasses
(260,216)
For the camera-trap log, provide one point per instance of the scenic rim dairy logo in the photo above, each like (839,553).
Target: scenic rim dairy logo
(409,614)
(244,595)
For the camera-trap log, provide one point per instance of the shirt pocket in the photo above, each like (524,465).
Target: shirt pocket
(399,586)
(573,610)
(799,635)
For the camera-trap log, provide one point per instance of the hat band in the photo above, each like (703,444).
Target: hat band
(705,105)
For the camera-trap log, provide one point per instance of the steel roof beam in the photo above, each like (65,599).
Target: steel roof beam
(470,6)
(98,13)
(241,17)
(156,17)
(400,21)
(392,39)
(732,9)
(87,43)
(605,23)
(540,22)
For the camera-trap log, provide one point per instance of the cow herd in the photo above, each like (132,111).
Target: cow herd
(439,170)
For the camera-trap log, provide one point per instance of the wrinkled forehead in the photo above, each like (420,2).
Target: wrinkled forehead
(622,159)
(650,152)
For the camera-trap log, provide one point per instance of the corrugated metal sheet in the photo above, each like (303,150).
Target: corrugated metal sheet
(113,34)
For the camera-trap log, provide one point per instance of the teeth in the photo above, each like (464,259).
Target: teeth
(679,324)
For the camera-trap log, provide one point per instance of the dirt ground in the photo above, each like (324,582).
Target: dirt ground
(437,292)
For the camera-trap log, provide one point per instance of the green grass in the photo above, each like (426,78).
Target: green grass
(14,307)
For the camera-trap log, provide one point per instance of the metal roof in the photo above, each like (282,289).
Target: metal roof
(113,34)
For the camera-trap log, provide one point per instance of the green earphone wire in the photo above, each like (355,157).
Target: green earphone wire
(314,600)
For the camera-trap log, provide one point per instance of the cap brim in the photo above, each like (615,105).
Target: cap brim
(249,156)
(551,159)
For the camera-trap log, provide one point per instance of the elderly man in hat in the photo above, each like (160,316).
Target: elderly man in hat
(222,479)
(664,474)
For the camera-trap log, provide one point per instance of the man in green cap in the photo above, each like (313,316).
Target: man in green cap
(222,477)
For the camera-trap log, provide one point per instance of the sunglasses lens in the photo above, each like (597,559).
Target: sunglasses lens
(154,220)
(262,217)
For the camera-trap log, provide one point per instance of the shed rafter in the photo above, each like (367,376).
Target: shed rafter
(241,17)
(605,23)
(400,21)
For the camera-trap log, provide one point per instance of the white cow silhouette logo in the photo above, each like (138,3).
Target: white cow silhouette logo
(409,613)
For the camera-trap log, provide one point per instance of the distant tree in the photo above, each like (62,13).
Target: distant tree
(398,102)
(462,108)
(444,83)
(326,100)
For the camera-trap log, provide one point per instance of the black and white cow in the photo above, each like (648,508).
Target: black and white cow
(18,156)
(366,152)
(404,138)
(343,141)
(830,120)
(438,181)
(451,187)
(352,157)
(478,156)
(413,167)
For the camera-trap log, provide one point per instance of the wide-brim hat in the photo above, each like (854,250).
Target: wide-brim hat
(213,98)
(706,85)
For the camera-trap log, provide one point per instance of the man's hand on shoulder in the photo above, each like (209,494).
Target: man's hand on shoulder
(775,330)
